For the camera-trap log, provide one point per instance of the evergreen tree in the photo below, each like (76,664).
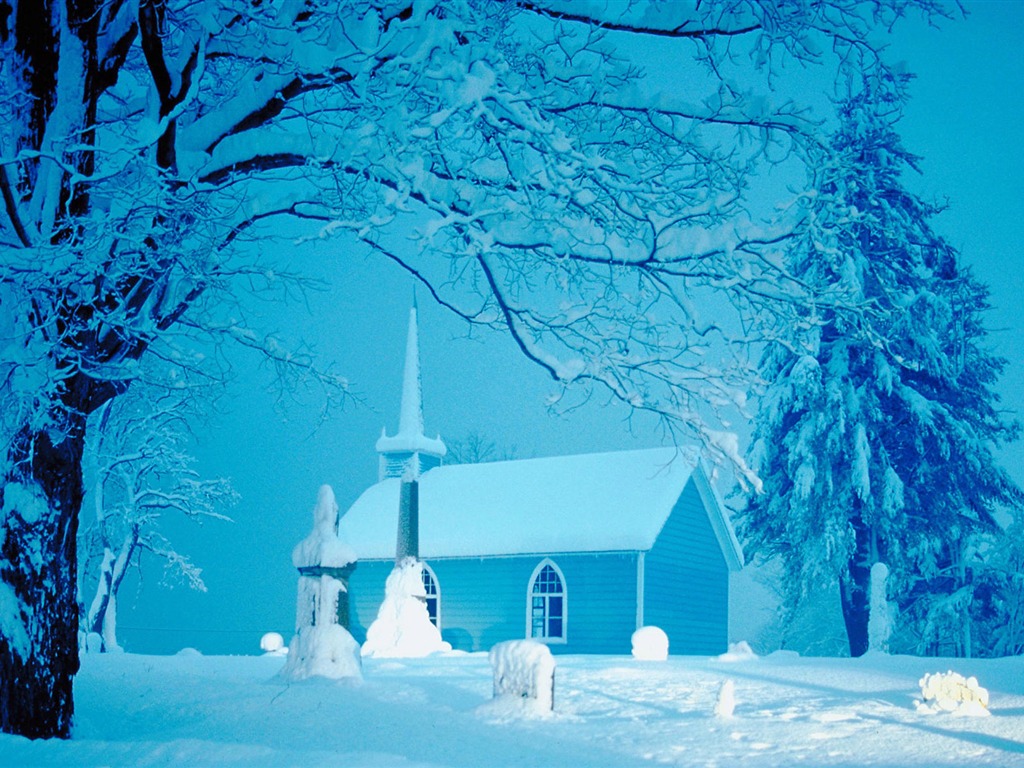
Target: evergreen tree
(875,437)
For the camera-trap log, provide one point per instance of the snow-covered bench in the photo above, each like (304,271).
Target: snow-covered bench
(524,669)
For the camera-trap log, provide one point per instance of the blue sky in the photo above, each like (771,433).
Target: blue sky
(965,120)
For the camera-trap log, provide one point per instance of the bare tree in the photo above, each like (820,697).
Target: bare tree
(557,189)
(140,471)
(476,449)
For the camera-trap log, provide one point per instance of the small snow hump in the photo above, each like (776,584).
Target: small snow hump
(650,644)
(725,705)
(273,643)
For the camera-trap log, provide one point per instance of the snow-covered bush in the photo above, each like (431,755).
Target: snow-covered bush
(952,692)
(524,670)
(650,644)
(403,628)
(321,646)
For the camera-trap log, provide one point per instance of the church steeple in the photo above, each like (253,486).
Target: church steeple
(410,453)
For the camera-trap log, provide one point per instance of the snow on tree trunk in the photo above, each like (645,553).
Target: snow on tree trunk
(39,504)
(109,626)
(102,616)
(403,628)
(880,618)
(322,647)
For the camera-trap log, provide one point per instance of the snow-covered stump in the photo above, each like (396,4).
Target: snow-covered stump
(322,646)
(403,628)
(524,670)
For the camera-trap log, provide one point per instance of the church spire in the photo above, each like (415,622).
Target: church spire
(409,453)
(411,418)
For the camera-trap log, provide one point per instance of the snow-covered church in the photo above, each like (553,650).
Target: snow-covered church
(575,551)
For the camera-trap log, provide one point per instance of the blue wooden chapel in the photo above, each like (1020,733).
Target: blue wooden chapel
(574,551)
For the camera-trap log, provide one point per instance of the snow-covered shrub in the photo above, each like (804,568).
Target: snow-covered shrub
(403,628)
(524,670)
(650,644)
(272,642)
(952,692)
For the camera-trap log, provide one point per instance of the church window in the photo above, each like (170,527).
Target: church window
(546,604)
(433,599)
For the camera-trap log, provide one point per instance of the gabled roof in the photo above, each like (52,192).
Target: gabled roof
(596,502)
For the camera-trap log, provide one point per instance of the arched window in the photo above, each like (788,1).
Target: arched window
(433,599)
(546,604)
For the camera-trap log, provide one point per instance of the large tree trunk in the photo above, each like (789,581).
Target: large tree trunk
(854,590)
(56,63)
(41,498)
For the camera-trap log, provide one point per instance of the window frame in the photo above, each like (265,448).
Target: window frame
(432,575)
(550,640)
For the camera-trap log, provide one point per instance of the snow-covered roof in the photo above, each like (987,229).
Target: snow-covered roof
(596,502)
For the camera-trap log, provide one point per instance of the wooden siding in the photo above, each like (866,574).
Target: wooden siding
(483,600)
(686,581)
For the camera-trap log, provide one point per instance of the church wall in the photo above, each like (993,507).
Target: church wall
(484,600)
(686,581)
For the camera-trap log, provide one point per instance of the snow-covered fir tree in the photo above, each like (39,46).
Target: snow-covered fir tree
(874,439)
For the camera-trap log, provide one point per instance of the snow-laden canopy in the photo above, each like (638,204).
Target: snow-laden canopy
(583,503)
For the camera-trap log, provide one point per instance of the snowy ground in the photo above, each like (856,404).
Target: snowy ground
(610,711)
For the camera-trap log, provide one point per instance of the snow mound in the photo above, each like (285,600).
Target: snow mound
(650,644)
(740,651)
(524,678)
(952,693)
(725,705)
(403,628)
(326,650)
(272,642)
(323,547)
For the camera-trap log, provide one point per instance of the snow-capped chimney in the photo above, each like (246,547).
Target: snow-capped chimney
(410,453)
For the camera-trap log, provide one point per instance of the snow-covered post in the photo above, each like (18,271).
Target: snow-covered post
(524,670)
(403,628)
(322,646)
(879,612)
